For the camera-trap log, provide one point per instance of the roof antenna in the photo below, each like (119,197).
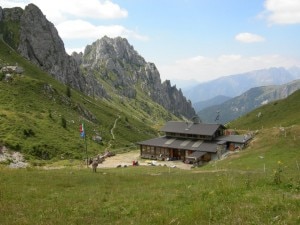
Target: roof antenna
(218,116)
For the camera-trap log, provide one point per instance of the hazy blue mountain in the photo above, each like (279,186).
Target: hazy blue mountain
(247,102)
(184,84)
(235,85)
(210,102)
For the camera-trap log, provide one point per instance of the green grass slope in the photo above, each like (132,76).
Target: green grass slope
(40,117)
(283,112)
(277,137)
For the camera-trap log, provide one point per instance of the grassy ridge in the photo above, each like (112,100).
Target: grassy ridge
(279,113)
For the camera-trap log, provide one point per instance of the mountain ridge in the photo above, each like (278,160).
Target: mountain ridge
(248,101)
(117,64)
(235,85)
(40,43)
(217,100)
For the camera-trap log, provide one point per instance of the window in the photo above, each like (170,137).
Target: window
(152,150)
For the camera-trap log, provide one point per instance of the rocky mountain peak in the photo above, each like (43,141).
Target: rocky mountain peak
(112,61)
(111,48)
(124,69)
(39,42)
(13,14)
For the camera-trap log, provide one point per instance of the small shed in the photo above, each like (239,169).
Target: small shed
(235,141)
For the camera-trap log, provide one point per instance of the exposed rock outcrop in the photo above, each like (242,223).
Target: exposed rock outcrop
(1,14)
(13,14)
(12,159)
(41,44)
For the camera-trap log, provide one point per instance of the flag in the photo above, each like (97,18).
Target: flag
(81,129)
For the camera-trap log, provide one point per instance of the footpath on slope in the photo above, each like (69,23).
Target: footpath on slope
(112,133)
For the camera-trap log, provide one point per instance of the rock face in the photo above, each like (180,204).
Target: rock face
(13,14)
(1,14)
(110,61)
(117,63)
(40,43)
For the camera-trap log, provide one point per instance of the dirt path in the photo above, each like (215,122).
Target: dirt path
(112,133)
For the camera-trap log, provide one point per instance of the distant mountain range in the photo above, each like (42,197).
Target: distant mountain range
(211,102)
(234,85)
(247,102)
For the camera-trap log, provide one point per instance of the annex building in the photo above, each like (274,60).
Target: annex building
(192,142)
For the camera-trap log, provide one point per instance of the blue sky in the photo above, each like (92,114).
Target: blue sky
(186,39)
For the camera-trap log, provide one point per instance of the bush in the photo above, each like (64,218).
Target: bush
(68,91)
(28,133)
(2,75)
(43,151)
(64,122)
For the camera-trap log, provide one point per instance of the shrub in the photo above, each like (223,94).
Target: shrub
(277,173)
(28,133)
(68,91)
(64,122)
(43,151)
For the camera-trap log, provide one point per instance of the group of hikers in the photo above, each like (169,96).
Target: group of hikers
(100,158)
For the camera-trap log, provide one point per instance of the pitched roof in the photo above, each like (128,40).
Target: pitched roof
(191,128)
(185,144)
(235,138)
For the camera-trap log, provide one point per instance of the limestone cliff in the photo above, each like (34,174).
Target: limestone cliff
(116,62)
(38,41)
(41,44)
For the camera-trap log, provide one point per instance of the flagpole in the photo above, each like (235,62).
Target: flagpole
(83,134)
(87,158)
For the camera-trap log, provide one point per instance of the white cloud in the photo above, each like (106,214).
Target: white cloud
(203,68)
(80,29)
(13,3)
(77,19)
(249,38)
(58,10)
(282,11)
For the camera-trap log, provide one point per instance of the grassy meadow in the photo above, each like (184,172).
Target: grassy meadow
(146,195)
(259,185)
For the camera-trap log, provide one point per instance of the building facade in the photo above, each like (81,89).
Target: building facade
(191,142)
